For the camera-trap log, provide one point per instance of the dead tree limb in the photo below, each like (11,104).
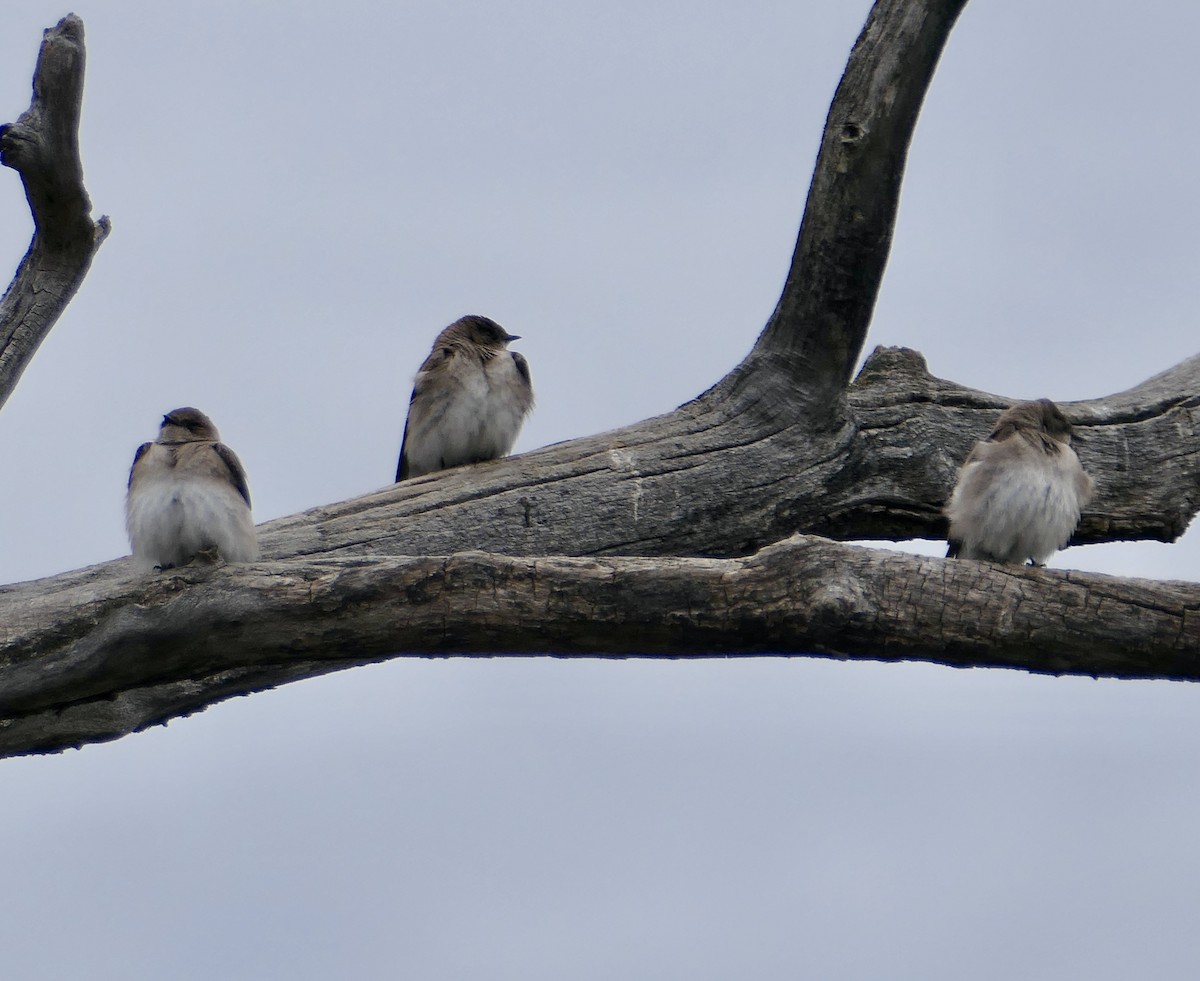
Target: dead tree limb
(661,516)
(91,661)
(43,147)
(695,483)
(820,324)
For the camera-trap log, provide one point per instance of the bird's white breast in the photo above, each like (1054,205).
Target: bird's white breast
(507,405)
(1025,509)
(474,414)
(171,516)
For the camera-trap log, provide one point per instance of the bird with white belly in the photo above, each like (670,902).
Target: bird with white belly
(188,497)
(1021,490)
(469,400)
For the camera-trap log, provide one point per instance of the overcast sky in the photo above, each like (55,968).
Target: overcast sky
(301,199)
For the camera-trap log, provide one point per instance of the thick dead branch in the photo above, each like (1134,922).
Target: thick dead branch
(779,445)
(820,323)
(83,661)
(43,147)
(689,484)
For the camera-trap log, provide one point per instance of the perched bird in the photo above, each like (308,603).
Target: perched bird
(1020,491)
(188,496)
(468,403)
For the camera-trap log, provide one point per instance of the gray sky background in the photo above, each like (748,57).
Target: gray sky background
(300,199)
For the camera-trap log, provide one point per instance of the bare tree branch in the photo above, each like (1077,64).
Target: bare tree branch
(820,323)
(43,147)
(91,660)
(780,444)
(913,430)
(686,484)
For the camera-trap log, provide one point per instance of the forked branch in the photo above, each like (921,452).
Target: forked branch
(43,147)
(660,516)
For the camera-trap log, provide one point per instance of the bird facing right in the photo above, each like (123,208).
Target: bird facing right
(469,400)
(1020,491)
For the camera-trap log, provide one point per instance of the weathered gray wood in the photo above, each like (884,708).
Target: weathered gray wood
(83,662)
(820,323)
(695,482)
(780,445)
(43,147)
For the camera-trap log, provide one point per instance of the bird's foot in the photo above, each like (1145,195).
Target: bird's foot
(208,556)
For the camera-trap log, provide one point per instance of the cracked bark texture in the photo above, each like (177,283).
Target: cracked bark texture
(43,147)
(86,662)
(657,539)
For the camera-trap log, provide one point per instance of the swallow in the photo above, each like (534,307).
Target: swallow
(188,496)
(469,401)
(1020,491)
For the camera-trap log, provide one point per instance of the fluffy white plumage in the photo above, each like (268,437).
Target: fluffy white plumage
(469,400)
(188,495)
(1020,492)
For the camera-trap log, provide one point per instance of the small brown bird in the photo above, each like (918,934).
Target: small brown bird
(469,401)
(188,495)
(1020,491)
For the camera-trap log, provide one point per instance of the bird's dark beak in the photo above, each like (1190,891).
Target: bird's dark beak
(166,421)
(512,337)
